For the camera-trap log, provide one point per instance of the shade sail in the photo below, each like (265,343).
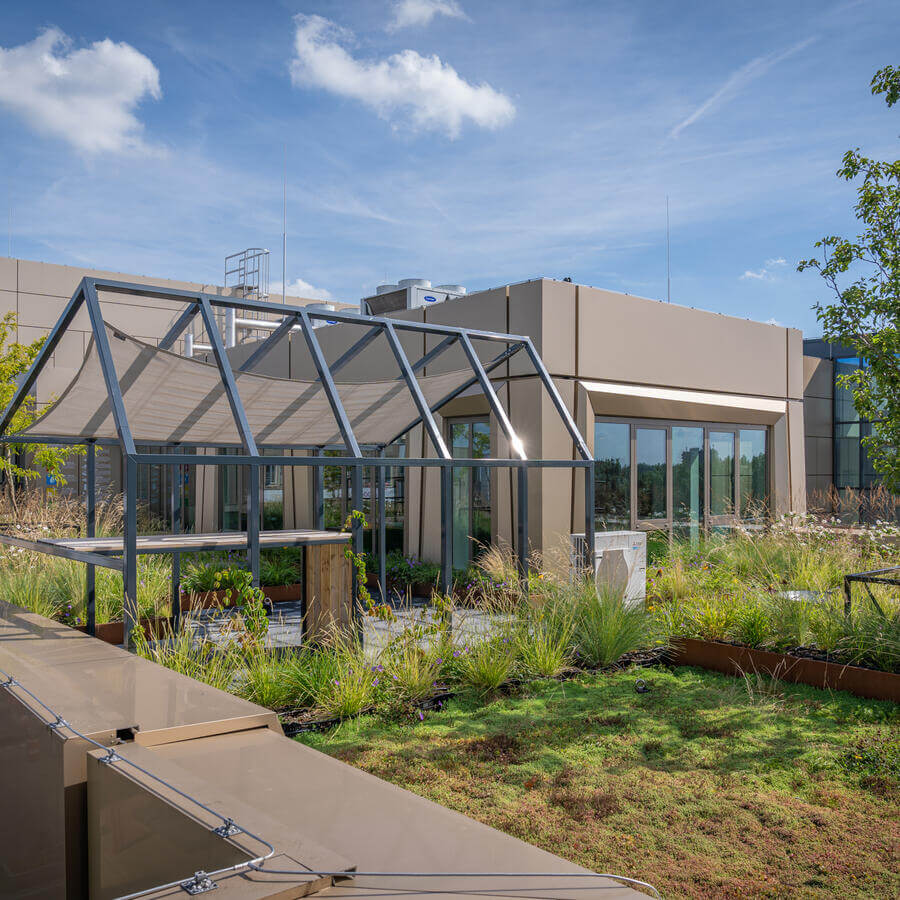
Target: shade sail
(172,398)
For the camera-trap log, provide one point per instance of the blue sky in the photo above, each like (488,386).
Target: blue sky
(478,143)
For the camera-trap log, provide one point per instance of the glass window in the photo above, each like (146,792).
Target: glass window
(754,474)
(272,494)
(687,474)
(721,473)
(846,442)
(650,454)
(612,475)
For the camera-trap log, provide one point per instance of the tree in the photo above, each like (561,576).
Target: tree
(866,312)
(21,461)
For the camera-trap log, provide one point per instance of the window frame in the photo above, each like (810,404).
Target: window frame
(709,521)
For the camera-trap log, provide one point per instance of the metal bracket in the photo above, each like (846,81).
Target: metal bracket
(227,829)
(199,884)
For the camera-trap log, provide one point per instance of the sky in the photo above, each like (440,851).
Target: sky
(472,143)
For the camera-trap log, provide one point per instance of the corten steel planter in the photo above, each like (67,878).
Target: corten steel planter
(279,593)
(114,632)
(735,660)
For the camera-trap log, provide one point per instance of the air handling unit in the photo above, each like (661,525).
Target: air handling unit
(408,293)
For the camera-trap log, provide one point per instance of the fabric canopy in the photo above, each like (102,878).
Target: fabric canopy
(172,398)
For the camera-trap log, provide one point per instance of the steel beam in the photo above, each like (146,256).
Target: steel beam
(357,537)
(177,329)
(589,525)
(231,391)
(381,482)
(434,433)
(265,306)
(253,522)
(166,459)
(489,367)
(558,402)
(43,355)
(90,519)
(176,507)
(107,366)
(268,344)
(51,548)
(446,529)
(331,392)
(522,523)
(319,494)
(492,398)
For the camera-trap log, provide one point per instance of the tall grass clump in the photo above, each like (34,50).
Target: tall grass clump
(542,640)
(484,666)
(605,626)
(354,685)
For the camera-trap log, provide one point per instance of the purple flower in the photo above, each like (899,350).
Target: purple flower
(421,716)
(439,660)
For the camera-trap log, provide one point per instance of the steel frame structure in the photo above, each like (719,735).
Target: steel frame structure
(182,453)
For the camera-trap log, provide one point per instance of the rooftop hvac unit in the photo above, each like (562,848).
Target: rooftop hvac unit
(408,293)
(620,561)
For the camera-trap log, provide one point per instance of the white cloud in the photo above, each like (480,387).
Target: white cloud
(780,261)
(300,288)
(737,81)
(427,91)
(774,321)
(421,12)
(759,275)
(87,97)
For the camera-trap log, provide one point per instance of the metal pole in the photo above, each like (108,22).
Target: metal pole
(253,522)
(175,501)
(356,532)
(319,494)
(848,597)
(129,550)
(522,513)
(382,531)
(91,531)
(589,528)
(447,528)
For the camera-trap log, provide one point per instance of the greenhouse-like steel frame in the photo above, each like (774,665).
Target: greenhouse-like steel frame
(178,454)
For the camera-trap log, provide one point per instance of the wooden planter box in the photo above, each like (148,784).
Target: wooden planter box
(280,593)
(733,660)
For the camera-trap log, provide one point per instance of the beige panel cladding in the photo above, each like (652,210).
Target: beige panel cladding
(818,377)
(795,365)
(632,339)
(526,317)
(545,310)
(8,302)
(797,457)
(485,311)
(9,274)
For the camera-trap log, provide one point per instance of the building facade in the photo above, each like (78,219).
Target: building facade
(695,419)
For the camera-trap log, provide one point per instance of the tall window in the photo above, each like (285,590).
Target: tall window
(233,494)
(470,439)
(853,469)
(680,477)
(612,475)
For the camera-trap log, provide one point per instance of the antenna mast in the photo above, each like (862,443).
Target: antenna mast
(284,227)
(668,257)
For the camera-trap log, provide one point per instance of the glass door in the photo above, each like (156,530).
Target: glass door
(722,500)
(470,439)
(651,500)
(688,483)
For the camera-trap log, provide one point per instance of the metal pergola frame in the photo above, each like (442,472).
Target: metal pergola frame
(204,304)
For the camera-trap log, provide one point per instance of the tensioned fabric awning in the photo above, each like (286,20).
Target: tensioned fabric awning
(172,398)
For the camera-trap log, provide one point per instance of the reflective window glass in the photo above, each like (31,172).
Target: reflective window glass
(612,475)
(687,474)
(754,474)
(721,473)
(650,453)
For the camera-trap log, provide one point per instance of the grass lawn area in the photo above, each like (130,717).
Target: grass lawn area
(705,786)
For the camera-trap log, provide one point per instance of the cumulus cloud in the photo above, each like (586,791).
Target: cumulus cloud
(87,97)
(780,261)
(300,288)
(421,12)
(427,92)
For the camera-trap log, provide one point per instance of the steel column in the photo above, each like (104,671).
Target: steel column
(522,522)
(175,501)
(253,522)
(382,530)
(446,529)
(319,494)
(90,515)
(129,548)
(356,531)
(589,527)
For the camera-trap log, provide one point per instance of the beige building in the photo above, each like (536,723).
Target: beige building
(695,418)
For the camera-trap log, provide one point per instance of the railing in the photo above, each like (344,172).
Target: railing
(876,576)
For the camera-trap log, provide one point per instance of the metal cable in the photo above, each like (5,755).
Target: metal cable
(229,828)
